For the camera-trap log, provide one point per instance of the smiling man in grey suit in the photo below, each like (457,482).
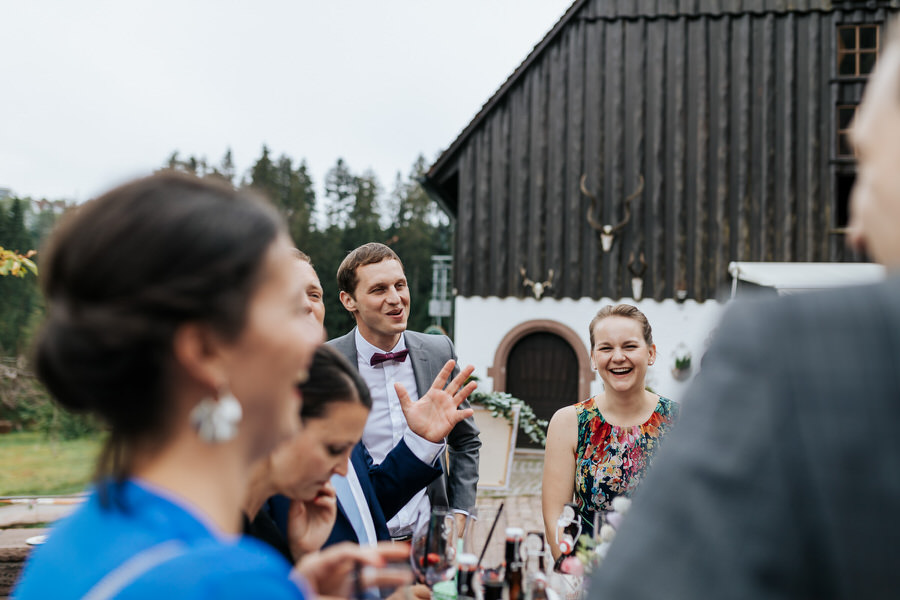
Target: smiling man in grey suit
(783,477)
(373,288)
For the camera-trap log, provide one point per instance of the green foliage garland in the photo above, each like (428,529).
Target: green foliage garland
(501,404)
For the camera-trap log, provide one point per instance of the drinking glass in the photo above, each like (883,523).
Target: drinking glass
(433,552)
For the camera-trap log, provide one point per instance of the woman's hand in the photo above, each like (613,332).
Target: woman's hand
(310,522)
(330,572)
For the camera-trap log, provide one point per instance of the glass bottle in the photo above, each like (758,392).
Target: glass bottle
(535,572)
(513,559)
(466,580)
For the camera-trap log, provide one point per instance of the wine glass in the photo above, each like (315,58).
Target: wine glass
(433,551)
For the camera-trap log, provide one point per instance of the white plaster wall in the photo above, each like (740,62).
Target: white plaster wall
(481,323)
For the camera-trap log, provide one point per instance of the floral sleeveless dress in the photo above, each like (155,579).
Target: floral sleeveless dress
(611,460)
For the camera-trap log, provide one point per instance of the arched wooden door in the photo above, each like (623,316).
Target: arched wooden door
(542,370)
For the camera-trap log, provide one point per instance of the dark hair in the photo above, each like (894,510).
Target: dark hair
(331,379)
(622,310)
(367,254)
(122,272)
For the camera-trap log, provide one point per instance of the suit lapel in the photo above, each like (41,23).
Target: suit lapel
(422,363)
(346,345)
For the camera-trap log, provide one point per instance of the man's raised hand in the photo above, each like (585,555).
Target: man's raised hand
(435,414)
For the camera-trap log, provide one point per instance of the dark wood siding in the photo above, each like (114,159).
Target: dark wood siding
(725,107)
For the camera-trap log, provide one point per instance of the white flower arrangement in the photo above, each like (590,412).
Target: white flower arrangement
(592,551)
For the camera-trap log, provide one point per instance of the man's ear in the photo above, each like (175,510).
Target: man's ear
(348,302)
(198,351)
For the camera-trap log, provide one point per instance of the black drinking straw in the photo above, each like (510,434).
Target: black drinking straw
(490,533)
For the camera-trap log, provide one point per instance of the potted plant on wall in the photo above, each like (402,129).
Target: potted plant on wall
(682,368)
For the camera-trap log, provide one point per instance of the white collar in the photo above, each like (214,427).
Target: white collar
(365,350)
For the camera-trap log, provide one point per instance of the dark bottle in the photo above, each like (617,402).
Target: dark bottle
(568,528)
(513,560)
(465,577)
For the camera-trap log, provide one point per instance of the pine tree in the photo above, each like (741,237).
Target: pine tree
(226,167)
(263,177)
(293,195)
(363,220)
(340,192)
(417,233)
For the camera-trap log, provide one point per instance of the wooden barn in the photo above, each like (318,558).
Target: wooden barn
(641,147)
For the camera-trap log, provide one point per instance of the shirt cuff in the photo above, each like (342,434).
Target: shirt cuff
(426,451)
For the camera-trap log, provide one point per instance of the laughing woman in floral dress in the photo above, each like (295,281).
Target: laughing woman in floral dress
(600,448)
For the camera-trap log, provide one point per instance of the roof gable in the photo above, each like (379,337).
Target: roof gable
(607,10)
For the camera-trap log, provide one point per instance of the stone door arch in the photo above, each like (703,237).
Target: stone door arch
(544,363)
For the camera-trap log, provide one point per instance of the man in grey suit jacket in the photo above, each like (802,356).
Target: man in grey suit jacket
(373,288)
(782,479)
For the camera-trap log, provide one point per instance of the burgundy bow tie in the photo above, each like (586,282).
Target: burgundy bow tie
(379,358)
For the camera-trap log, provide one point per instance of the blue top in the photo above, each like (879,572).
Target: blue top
(142,543)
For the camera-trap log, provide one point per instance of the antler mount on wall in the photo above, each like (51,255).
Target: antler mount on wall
(537,287)
(608,232)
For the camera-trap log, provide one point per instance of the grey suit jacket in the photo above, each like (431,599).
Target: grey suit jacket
(428,354)
(782,479)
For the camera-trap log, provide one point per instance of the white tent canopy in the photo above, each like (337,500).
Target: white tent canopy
(789,278)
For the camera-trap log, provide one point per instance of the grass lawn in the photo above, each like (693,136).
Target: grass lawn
(32,464)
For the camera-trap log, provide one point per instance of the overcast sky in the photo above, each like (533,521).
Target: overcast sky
(95,92)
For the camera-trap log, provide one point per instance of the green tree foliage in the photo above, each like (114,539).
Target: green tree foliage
(352,212)
(25,402)
(290,189)
(417,232)
(364,216)
(226,167)
(295,197)
(23,226)
(201,167)
(20,301)
(340,192)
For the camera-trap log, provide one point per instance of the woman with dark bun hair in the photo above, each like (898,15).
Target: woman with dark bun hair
(176,315)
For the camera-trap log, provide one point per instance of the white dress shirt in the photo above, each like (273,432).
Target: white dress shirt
(386,424)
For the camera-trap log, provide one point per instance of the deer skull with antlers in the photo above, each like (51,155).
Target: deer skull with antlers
(608,232)
(537,287)
(637,276)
